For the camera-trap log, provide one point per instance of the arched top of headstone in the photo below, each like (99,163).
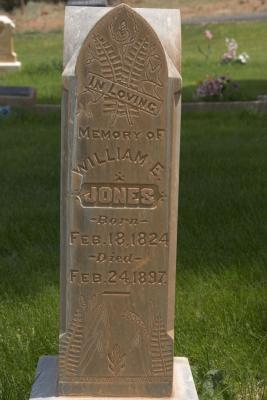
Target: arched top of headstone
(6,22)
(123,59)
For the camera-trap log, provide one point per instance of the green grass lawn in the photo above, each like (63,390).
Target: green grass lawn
(41,56)
(222,254)
(251,38)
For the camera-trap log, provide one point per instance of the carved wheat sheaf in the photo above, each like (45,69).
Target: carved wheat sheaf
(161,349)
(71,345)
(83,339)
(116,360)
(111,65)
(137,321)
(132,71)
(125,56)
(94,335)
(128,72)
(134,63)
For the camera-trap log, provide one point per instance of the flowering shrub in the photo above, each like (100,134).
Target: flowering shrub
(232,47)
(216,88)
(231,54)
(243,58)
(206,53)
(208,34)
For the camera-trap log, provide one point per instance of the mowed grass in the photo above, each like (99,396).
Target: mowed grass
(29,253)
(250,37)
(222,254)
(41,56)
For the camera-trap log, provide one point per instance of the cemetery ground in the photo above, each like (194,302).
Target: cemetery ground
(43,16)
(221,298)
(41,56)
(221,267)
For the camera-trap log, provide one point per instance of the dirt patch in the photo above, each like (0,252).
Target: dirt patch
(226,7)
(46,17)
(38,17)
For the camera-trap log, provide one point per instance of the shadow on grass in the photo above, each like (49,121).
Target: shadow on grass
(220,320)
(222,210)
(221,247)
(248,90)
(29,214)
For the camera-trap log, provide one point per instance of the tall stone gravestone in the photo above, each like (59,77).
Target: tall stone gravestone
(119,216)
(119,195)
(8,58)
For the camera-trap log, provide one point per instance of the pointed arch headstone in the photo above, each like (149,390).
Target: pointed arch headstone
(119,195)
(119,211)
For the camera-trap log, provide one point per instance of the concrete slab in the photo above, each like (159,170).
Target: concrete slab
(45,384)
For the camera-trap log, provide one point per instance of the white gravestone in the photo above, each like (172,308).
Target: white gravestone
(8,58)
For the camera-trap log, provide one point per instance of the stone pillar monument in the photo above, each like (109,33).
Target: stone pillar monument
(8,58)
(119,200)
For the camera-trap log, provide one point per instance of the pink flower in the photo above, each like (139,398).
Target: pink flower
(208,34)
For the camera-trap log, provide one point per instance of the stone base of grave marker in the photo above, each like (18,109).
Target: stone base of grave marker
(45,384)
(10,66)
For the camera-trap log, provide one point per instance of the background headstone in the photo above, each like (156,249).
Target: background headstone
(88,3)
(8,58)
(17,96)
(94,3)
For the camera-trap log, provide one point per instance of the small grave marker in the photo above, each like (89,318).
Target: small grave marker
(17,96)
